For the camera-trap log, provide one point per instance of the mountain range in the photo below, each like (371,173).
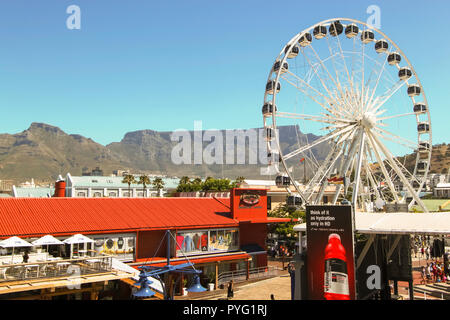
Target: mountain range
(44,151)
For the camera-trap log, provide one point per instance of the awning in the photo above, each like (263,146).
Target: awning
(159,261)
(398,223)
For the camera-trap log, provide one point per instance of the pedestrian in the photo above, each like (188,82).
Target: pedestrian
(435,271)
(428,272)
(427,252)
(230,290)
(423,274)
(25,257)
(423,252)
(272,297)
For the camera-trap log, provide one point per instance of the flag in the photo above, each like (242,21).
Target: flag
(336,180)
(302,159)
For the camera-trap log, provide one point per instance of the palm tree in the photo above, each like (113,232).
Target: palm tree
(145,181)
(129,179)
(184,180)
(158,183)
(239,181)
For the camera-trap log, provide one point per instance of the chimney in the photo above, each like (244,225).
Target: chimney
(60,189)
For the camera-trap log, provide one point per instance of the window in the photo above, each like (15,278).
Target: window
(81,194)
(204,241)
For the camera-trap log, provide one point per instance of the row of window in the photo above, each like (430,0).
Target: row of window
(99,194)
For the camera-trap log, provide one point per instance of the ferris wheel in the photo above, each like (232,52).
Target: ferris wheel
(357,95)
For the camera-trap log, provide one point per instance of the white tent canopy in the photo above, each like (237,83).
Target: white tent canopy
(46,241)
(78,238)
(399,223)
(14,242)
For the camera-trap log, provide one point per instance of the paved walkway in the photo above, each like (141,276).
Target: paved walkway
(280,287)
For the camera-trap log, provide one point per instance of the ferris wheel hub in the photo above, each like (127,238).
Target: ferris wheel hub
(368,120)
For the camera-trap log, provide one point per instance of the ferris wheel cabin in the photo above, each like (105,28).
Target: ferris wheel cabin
(277,66)
(351,30)
(268,108)
(423,127)
(293,53)
(413,90)
(294,201)
(282,181)
(305,39)
(271,156)
(421,166)
(381,46)
(394,58)
(367,36)
(404,73)
(269,134)
(270,87)
(424,146)
(336,28)
(420,108)
(320,32)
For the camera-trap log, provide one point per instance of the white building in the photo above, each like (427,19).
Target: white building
(101,186)
(442,190)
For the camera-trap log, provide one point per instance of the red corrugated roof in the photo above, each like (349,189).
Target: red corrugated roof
(60,216)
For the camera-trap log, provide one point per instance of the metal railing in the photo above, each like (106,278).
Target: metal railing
(64,268)
(242,275)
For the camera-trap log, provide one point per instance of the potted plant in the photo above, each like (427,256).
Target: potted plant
(212,280)
(185,292)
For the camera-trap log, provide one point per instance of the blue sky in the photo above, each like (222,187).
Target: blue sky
(161,65)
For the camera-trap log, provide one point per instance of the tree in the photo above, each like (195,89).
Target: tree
(239,181)
(158,184)
(145,181)
(285,230)
(184,180)
(129,179)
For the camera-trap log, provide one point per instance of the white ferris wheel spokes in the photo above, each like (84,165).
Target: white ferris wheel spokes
(355,91)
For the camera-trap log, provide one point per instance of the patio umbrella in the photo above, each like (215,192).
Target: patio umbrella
(46,241)
(13,242)
(77,238)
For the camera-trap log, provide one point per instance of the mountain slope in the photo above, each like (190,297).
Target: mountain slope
(43,152)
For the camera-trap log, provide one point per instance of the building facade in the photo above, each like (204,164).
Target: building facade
(112,187)
(217,235)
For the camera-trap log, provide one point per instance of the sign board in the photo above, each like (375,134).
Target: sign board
(330,258)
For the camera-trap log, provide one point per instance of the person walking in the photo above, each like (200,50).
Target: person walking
(428,272)
(423,274)
(25,257)
(230,294)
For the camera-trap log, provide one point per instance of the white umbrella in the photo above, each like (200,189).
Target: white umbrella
(13,242)
(77,238)
(46,241)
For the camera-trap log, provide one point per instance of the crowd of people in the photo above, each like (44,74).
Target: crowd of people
(435,270)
